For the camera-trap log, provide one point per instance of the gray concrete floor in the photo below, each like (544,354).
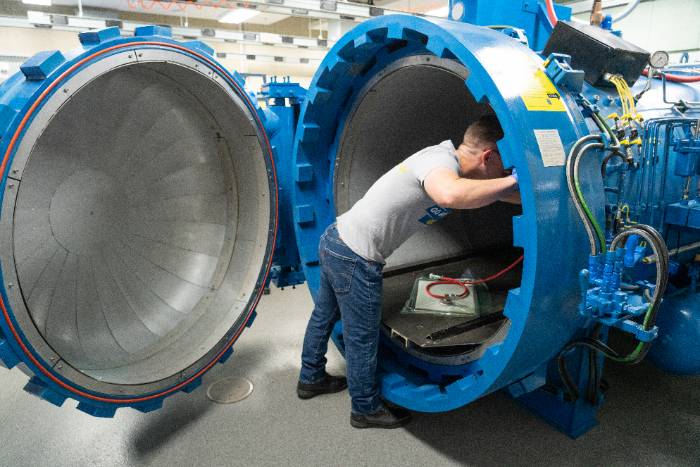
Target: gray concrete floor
(649,419)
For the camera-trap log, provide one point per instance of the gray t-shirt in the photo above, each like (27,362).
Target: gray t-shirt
(397,205)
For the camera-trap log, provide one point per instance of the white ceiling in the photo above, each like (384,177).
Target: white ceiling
(155,7)
(270,13)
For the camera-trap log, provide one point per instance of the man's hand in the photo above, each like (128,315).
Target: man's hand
(448,190)
(513,198)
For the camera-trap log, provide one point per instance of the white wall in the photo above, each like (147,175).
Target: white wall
(671,25)
(8,67)
(25,42)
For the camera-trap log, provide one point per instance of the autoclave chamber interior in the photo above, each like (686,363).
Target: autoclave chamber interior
(417,102)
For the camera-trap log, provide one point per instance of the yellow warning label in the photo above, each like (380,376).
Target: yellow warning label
(542,96)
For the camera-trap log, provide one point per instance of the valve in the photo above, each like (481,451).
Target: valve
(603,299)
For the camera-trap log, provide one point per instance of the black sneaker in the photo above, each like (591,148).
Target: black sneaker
(385,417)
(328,385)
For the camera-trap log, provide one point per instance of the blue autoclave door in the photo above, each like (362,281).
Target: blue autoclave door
(139,215)
(396,84)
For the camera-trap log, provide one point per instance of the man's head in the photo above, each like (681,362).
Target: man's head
(478,154)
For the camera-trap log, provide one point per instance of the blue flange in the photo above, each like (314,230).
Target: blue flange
(21,98)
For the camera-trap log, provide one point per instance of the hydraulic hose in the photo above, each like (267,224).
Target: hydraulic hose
(675,78)
(604,127)
(596,226)
(654,238)
(573,154)
(607,159)
(551,14)
(595,233)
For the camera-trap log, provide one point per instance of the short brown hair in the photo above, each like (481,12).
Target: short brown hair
(485,131)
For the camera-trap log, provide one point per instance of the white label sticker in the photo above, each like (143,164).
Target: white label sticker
(551,147)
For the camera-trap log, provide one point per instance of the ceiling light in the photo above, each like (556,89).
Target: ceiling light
(440,12)
(38,17)
(37,2)
(239,15)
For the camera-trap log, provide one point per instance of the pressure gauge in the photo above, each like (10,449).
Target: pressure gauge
(659,59)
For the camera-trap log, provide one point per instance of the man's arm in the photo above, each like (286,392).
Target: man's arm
(448,190)
(512,198)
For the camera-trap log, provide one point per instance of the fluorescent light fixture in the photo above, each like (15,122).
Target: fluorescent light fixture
(268,38)
(305,42)
(353,10)
(38,17)
(229,35)
(37,2)
(439,12)
(239,15)
(86,23)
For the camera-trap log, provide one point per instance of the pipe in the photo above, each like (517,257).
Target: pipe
(624,14)
(676,78)
(597,13)
(551,14)
(676,251)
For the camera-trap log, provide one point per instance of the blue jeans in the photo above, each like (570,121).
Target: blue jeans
(351,290)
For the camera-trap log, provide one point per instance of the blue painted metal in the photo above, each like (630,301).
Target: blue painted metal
(284,89)
(571,418)
(607,22)
(41,65)
(677,350)
(558,68)
(534,337)
(516,33)
(527,15)
(284,98)
(17,96)
(633,251)
(652,190)
(604,301)
(542,318)
(688,160)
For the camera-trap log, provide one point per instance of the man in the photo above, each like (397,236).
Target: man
(413,195)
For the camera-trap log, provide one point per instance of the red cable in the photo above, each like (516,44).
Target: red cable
(676,78)
(445,281)
(463,283)
(551,13)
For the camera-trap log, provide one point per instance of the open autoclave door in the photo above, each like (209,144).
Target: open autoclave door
(139,214)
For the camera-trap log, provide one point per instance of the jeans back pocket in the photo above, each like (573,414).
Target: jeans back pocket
(339,270)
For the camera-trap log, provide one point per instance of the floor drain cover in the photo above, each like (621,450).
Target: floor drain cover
(229,390)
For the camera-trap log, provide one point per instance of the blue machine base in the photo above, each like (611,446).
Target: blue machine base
(572,419)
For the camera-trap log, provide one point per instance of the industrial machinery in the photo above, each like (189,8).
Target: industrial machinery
(136,241)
